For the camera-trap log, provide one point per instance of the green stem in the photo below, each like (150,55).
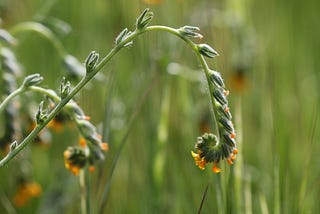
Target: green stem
(41,30)
(84,193)
(50,93)
(199,56)
(10,97)
(91,74)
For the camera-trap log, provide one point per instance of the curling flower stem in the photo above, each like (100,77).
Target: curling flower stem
(222,148)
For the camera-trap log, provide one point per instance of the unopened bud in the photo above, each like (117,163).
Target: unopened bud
(33,79)
(91,61)
(190,31)
(144,19)
(207,51)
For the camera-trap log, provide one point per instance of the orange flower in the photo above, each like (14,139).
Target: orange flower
(25,192)
(104,146)
(200,162)
(82,142)
(74,159)
(92,168)
(215,168)
(55,125)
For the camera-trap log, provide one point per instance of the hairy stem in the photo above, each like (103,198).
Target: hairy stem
(90,75)
(10,97)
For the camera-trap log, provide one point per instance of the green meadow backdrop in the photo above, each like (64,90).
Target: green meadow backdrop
(150,104)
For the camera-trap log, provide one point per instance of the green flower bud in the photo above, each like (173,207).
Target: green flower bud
(228,140)
(91,61)
(220,97)
(33,79)
(65,88)
(190,31)
(207,51)
(13,145)
(144,19)
(216,78)
(42,114)
(227,125)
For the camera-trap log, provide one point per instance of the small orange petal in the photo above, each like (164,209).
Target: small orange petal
(226,93)
(229,161)
(215,168)
(235,151)
(194,154)
(92,168)
(232,135)
(66,154)
(104,146)
(75,170)
(82,142)
(227,109)
(87,117)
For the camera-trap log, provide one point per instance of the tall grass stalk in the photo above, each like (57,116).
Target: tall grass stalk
(136,110)
(220,196)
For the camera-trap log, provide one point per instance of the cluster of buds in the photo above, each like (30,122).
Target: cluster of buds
(10,70)
(91,149)
(208,147)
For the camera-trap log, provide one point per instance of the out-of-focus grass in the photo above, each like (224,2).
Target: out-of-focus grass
(279,117)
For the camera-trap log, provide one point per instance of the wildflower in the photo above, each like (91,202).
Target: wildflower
(210,150)
(239,80)
(25,192)
(82,142)
(200,162)
(104,146)
(92,168)
(55,125)
(74,159)
(215,168)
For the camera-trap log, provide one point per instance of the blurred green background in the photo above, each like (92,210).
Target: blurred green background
(269,58)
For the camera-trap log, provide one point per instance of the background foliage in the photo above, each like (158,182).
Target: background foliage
(269,53)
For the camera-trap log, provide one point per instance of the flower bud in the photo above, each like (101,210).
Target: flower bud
(33,79)
(144,19)
(91,61)
(216,78)
(65,88)
(227,125)
(13,145)
(42,114)
(219,97)
(190,31)
(207,51)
